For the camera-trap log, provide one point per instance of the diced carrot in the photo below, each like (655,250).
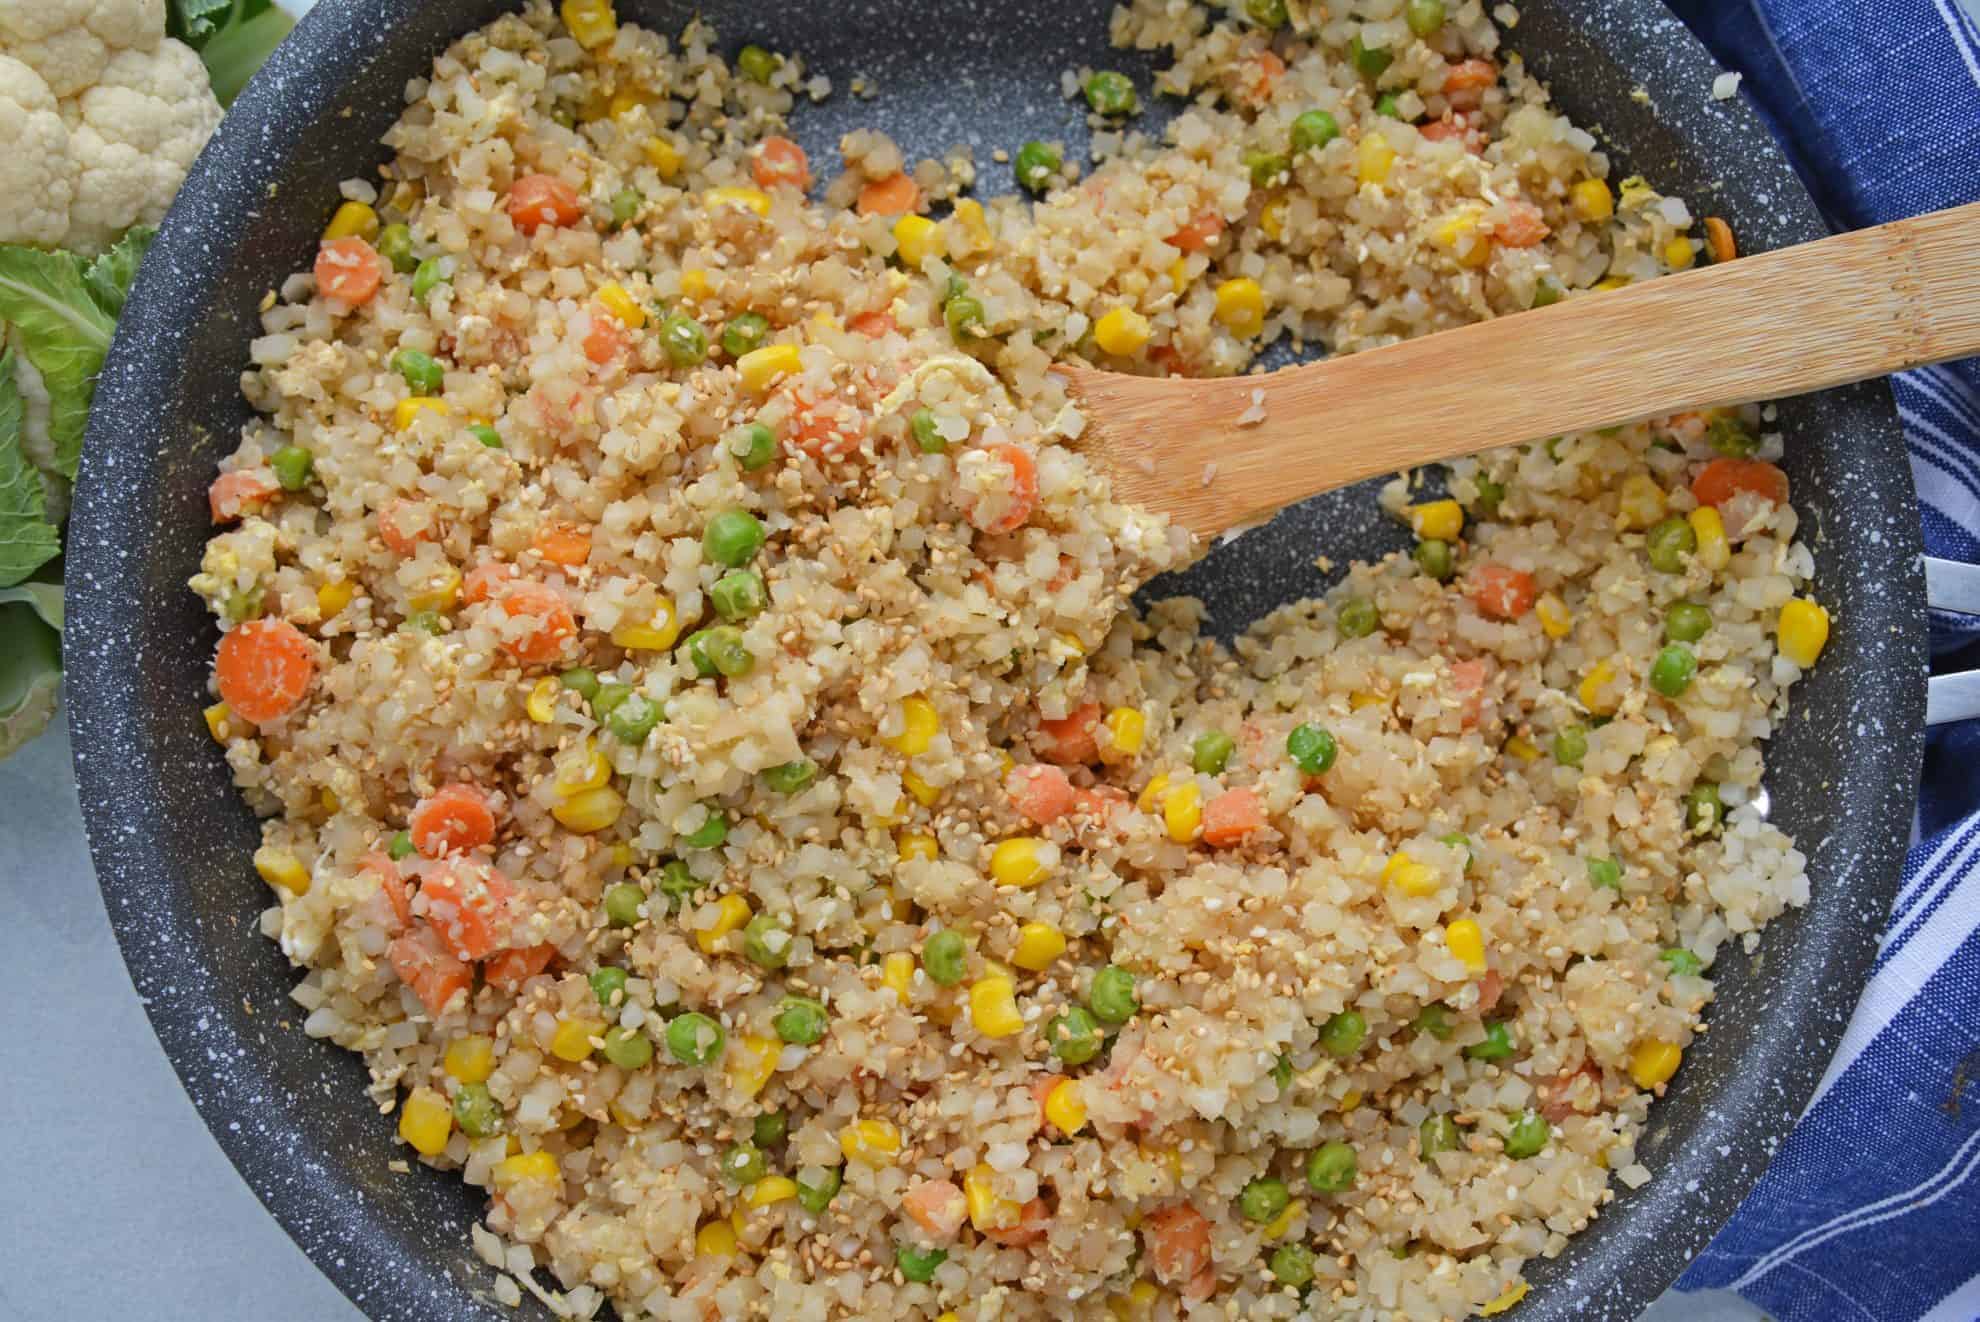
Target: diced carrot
(1231,816)
(896,195)
(1521,227)
(467,906)
(452,820)
(1201,233)
(542,199)
(1491,986)
(1557,1098)
(1468,682)
(484,579)
(1465,84)
(391,885)
(1021,498)
(562,544)
(242,492)
(779,162)
(348,270)
(873,325)
(937,1206)
(1069,741)
(1722,479)
(1101,802)
(555,623)
(1040,793)
(510,969)
(404,524)
(424,964)
(1202,1285)
(826,428)
(1262,75)
(1455,124)
(264,668)
(1170,359)
(1178,1243)
(605,339)
(1501,592)
(1033,1221)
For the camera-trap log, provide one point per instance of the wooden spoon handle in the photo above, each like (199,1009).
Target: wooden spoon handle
(1774,324)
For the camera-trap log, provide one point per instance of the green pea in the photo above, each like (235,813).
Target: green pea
(1436,558)
(744,1164)
(738,594)
(694,1039)
(1110,93)
(628,1048)
(607,698)
(816,1194)
(1074,1036)
(1111,996)
(926,438)
(1035,165)
(427,622)
(1424,16)
(1687,622)
(1282,1071)
(1547,291)
(1312,749)
(752,445)
(1437,1133)
(1682,962)
(767,942)
(395,245)
(1571,745)
(769,1129)
(1528,1136)
(1211,752)
(1267,167)
(1292,1265)
(1266,13)
(581,681)
(1458,840)
(1357,618)
(745,332)
(1370,61)
(714,829)
(756,64)
(964,317)
(1490,493)
(609,986)
(722,652)
(1731,437)
(487,435)
(1263,1198)
(293,467)
(1704,810)
(1670,544)
(1342,1035)
(430,274)
(1606,873)
(918,1264)
(677,883)
(633,719)
(1332,1168)
(1671,672)
(684,340)
(622,904)
(1312,130)
(1435,1019)
(943,955)
(696,647)
(626,204)
(791,777)
(243,603)
(1389,106)
(476,1111)
(401,846)
(1498,1043)
(800,1020)
(732,538)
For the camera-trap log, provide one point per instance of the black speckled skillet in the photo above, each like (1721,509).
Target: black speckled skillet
(171,839)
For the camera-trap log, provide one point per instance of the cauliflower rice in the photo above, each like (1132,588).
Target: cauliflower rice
(889,920)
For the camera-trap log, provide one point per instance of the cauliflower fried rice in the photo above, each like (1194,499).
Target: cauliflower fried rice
(714,773)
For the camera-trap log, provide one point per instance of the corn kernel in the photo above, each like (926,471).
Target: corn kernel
(919,725)
(1182,812)
(972,229)
(407,411)
(870,1142)
(918,238)
(1523,748)
(537,1165)
(620,855)
(1065,1107)
(581,769)
(439,595)
(1138,1304)
(1803,631)
(1038,945)
(282,870)
(331,598)
(1679,254)
(1653,1061)
(897,974)
(663,156)
(1467,943)
(1593,200)
(950,1316)
(1361,698)
(731,912)
(1127,731)
(1410,877)
(622,305)
(1241,306)
(763,368)
(1350,1100)
(924,793)
(993,1007)
(572,1040)
(1612,282)
(1372,159)
(717,1239)
(624,102)
(470,1059)
(1281,1225)
(1272,219)
(541,704)
(1642,501)
(988,1211)
(695,285)
(589,811)
(1556,620)
(752,199)
(1122,332)
(920,845)
(656,635)
(1458,234)
(1439,520)
(771,1189)
(592,22)
(1512,1295)
(1597,691)
(1022,861)
(1714,551)
(352,220)
(426,1121)
(217,723)
(750,1062)
(1152,794)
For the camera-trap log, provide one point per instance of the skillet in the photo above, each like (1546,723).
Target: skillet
(171,840)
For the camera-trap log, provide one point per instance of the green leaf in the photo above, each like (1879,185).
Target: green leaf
(193,21)
(233,37)
(109,277)
(45,598)
(30,672)
(27,539)
(65,334)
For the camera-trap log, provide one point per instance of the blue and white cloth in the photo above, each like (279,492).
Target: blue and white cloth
(1871,1210)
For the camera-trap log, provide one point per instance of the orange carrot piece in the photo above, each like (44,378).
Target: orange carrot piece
(1522,226)
(873,325)
(239,493)
(1722,479)
(1465,84)
(452,820)
(824,429)
(1178,1242)
(264,668)
(1502,593)
(1199,234)
(404,524)
(1023,495)
(780,163)
(485,579)
(605,339)
(348,270)
(1040,793)
(510,969)
(937,1206)
(1033,1221)
(563,544)
(536,200)
(467,907)
(391,885)
(555,623)
(426,966)
(896,195)
(1231,816)
(1069,741)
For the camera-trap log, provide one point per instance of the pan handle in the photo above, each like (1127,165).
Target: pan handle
(1952,586)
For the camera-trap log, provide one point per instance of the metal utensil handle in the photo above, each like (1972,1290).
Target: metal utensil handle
(1952,586)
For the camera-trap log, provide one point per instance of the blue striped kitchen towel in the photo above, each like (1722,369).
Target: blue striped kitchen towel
(1871,1209)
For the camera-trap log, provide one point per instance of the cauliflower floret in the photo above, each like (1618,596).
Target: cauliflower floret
(134,136)
(69,42)
(36,175)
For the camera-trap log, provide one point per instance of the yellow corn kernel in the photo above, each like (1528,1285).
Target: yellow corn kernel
(1022,861)
(282,870)
(541,704)
(1241,306)
(537,1165)
(897,974)
(619,855)
(695,285)
(993,1007)
(592,22)
(1152,794)
(331,598)
(1457,233)
(753,199)
(1439,520)
(987,1211)
(717,1239)
(1065,1107)
(1612,282)
(763,368)
(1361,698)
(217,721)
(1642,501)
(470,1059)
(1272,219)
(622,305)
(1714,551)
(589,811)
(1803,631)
(924,793)
(1679,254)
(1182,812)
(870,1142)
(572,1040)
(1597,691)
(1122,332)
(656,635)
(1593,200)
(624,102)
(1512,1295)
(1138,1304)
(663,156)
(426,1121)
(950,1316)
(919,724)
(1127,731)
(731,912)
(1178,274)
(1350,1100)
(972,234)
(1410,877)
(919,844)
(583,768)
(1282,1224)
(407,411)
(1467,943)
(918,238)
(771,1189)
(1653,1061)
(439,595)
(1372,159)
(1556,620)
(1038,945)
(1523,748)
(750,1062)
(352,220)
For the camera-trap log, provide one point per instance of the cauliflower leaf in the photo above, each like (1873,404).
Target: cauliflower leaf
(27,539)
(30,661)
(233,37)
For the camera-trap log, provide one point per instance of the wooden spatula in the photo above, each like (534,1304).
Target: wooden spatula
(1219,453)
